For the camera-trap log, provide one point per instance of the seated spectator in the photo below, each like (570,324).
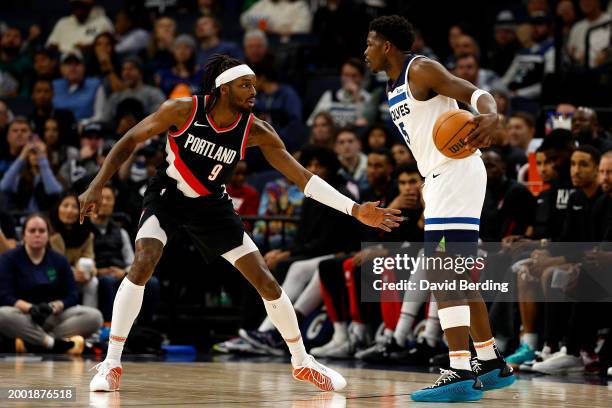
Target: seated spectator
(521,132)
(375,137)
(184,73)
(103,63)
(599,39)
(159,51)
(57,151)
(566,12)
(132,75)
(322,130)
(88,161)
(282,17)
(75,241)
(254,46)
(524,76)
(244,197)
(82,95)
(354,163)
(207,31)
(508,207)
(347,104)
(29,182)
(114,256)
(420,47)
(464,44)
(402,154)
(42,96)
(39,298)
(79,29)
(513,157)
(506,44)
(468,68)
(131,39)
(586,130)
(45,64)
(16,71)
(18,135)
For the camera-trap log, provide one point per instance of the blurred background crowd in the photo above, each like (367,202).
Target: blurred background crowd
(76,75)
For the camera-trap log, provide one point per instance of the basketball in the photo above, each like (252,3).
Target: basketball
(450,130)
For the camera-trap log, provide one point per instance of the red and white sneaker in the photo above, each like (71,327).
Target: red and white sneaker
(320,376)
(108,377)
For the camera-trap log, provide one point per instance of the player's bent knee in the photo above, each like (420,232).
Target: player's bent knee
(148,252)
(270,289)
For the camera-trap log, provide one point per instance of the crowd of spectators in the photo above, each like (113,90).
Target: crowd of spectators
(70,87)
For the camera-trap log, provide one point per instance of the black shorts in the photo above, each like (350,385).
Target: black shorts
(210,222)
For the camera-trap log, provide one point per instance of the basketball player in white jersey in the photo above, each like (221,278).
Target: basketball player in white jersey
(208,135)
(419,91)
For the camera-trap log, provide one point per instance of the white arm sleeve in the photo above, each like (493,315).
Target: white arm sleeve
(318,189)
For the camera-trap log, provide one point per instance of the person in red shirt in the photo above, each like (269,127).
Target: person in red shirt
(244,196)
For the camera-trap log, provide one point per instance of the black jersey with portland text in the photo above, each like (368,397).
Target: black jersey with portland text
(201,156)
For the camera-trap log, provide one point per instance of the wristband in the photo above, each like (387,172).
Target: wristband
(474,100)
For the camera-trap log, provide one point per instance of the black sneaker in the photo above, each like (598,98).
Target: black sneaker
(386,352)
(264,341)
(493,374)
(452,386)
(418,355)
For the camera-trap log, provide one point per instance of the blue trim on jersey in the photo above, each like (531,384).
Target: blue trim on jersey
(397,99)
(452,220)
(402,78)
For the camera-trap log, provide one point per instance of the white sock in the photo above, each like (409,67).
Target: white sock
(125,310)
(266,325)
(433,330)
(340,332)
(49,342)
(403,329)
(460,359)
(281,313)
(531,339)
(485,350)
(359,330)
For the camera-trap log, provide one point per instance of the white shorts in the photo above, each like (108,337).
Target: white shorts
(454,193)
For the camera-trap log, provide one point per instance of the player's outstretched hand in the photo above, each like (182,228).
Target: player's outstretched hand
(483,135)
(383,218)
(89,202)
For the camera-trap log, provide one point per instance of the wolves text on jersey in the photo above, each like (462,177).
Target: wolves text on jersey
(209,149)
(399,111)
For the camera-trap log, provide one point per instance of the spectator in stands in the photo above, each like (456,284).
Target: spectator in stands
(375,137)
(401,153)
(513,157)
(88,161)
(521,131)
(282,17)
(322,130)
(347,145)
(566,11)
(15,66)
(455,31)
(79,29)
(29,182)
(468,68)
(599,39)
(183,78)
(84,96)
(58,151)
(278,103)
(524,76)
(75,241)
(255,46)
(509,207)
(159,51)
(420,47)
(465,44)
(42,97)
(114,255)
(207,32)
(39,298)
(347,104)
(506,44)
(131,39)
(586,130)
(45,64)
(18,135)
(560,118)
(337,23)
(104,63)
(244,196)
(132,75)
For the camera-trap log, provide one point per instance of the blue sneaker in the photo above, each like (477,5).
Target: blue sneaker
(523,354)
(493,374)
(452,386)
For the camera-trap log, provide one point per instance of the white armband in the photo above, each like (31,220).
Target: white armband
(319,190)
(477,94)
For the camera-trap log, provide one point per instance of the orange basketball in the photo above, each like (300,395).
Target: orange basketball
(450,130)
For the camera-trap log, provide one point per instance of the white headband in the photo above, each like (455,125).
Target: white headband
(233,73)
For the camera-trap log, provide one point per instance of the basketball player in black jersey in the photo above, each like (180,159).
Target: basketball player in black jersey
(207,137)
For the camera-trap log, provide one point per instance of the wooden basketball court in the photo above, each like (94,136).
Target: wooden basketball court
(259,384)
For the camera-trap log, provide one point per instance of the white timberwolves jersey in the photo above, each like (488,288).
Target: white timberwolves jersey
(415,120)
